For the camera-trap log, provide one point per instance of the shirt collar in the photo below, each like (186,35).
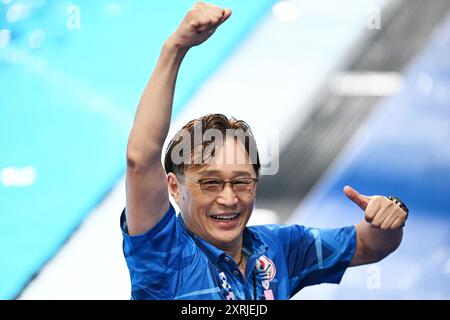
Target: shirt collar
(253,244)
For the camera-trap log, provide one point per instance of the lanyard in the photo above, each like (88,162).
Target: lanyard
(222,281)
(265,283)
(225,286)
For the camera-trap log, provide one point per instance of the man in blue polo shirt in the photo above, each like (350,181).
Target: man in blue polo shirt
(211,170)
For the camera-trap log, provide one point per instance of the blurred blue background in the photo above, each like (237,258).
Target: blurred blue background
(70,78)
(404,150)
(71,74)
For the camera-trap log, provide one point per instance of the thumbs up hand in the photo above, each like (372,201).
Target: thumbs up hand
(380,212)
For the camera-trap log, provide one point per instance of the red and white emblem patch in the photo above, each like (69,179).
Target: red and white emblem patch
(267,267)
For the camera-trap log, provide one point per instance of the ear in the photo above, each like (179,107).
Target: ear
(174,187)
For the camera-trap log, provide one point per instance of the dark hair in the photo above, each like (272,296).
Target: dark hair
(201,125)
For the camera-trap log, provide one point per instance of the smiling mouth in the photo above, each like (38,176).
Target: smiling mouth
(226,217)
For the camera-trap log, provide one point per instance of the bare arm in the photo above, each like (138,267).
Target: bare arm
(381,232)
(146,187)
(374,244)
(147,196)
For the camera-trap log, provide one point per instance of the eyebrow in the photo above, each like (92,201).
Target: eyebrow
(238,173)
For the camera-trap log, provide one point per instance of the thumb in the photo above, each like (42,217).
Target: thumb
(361,200)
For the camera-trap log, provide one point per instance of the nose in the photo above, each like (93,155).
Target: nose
(227,197)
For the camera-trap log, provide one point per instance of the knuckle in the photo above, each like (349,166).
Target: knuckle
(387,201)
(383,201)
(397,224)
(375,204)
(376,224)
(370,215)
(372,209)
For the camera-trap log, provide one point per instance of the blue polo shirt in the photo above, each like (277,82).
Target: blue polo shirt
(169,262)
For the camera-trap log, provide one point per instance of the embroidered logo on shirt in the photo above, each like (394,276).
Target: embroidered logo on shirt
(266,272)
(266,267)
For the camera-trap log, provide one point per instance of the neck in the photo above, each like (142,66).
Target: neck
(238,257)
(235,252)
(233,249)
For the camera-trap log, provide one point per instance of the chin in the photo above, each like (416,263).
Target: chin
(226,237)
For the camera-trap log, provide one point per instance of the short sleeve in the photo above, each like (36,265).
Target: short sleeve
(317,256)
(153,258)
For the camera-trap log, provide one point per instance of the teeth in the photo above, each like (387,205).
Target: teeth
(226,218)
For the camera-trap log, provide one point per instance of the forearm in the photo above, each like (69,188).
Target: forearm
(377,242)
(152,120)
(153,114)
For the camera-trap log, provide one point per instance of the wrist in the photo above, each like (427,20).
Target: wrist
(175,47)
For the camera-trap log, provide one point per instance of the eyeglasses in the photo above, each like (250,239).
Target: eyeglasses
(214,186)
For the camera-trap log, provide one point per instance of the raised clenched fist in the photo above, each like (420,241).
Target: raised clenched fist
(199,24)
